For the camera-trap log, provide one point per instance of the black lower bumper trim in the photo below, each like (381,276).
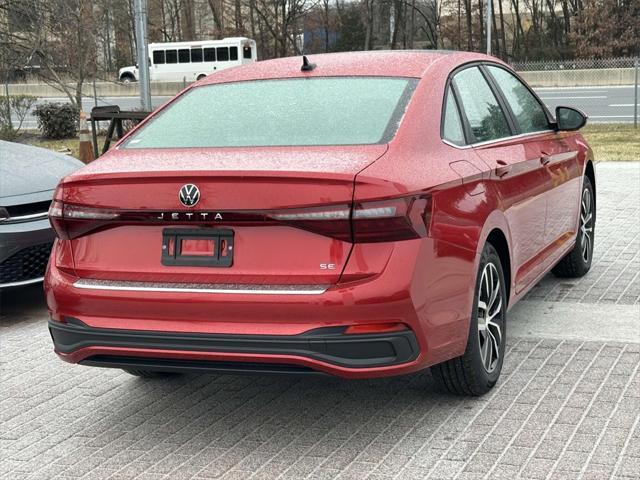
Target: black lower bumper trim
(328,345)
(194,366)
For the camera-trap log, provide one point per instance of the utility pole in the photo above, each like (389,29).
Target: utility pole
(489,24)
(636,65)
(142,53)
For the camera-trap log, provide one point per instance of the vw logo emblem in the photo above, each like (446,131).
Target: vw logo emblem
(189,195)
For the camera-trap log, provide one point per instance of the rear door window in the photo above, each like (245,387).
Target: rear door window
(484,114)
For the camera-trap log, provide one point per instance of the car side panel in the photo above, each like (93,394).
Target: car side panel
(521,187)
(565,172)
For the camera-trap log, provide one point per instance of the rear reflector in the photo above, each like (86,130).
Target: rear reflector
(388,220)
(375,328)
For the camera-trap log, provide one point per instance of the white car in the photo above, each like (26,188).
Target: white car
(28,177)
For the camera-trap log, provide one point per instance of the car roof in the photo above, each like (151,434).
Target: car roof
(387,63)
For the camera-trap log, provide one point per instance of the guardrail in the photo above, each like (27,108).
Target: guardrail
(102,89)
(579,78)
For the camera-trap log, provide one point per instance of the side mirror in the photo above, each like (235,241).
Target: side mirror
(568,118)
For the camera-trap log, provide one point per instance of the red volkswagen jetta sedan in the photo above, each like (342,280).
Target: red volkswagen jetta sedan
(365,215)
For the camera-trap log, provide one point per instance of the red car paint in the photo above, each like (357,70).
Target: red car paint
(426,284)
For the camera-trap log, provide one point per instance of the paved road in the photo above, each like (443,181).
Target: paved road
(602,104)
(567,405)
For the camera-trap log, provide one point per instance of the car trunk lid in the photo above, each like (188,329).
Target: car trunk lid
(232,183)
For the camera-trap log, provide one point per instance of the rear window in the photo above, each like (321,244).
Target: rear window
(301,111)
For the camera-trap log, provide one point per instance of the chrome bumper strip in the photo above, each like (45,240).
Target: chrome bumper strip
(24,218)
(238,289)
(22,283)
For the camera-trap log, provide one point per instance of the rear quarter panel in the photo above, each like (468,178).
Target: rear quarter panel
(465,209)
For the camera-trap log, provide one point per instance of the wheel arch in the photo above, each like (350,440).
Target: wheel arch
(590,173)
(127,75)
(496,231)
(499,241)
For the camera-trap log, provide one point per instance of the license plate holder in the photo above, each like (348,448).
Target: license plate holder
(175,240)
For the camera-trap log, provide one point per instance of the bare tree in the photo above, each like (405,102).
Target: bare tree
(282,18)
(61,35)
(326,11)
(369,13)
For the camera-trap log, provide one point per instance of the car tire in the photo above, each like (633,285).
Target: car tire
(578,261)
(201,76)
(478,369)
(126,80)
(149,373)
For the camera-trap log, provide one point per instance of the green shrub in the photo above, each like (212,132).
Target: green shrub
(57,120)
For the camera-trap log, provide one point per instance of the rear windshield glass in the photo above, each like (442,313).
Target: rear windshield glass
(316,111)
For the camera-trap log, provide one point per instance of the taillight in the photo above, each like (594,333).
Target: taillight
(330,220)
(391,220)
(388,220)
(55,218)
(71,221)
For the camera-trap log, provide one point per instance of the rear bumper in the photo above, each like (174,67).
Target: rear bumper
(424,286)
(323,349)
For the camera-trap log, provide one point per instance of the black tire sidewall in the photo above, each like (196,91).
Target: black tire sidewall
(487,380)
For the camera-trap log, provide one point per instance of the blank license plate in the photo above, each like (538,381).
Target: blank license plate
(205,247)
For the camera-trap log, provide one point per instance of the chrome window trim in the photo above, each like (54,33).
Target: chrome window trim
(480,63)
(232,289)
(489,142)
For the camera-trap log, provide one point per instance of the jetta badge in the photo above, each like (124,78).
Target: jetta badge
(189,195)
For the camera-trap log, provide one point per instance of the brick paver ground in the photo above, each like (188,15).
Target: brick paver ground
(615,272)
(563,408)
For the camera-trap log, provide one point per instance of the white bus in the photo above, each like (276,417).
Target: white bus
(190,61)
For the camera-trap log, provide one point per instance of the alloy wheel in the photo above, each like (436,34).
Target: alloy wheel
(490,315)
(586,224)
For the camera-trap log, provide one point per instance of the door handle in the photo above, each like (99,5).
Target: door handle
(503,168)
(545,158)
